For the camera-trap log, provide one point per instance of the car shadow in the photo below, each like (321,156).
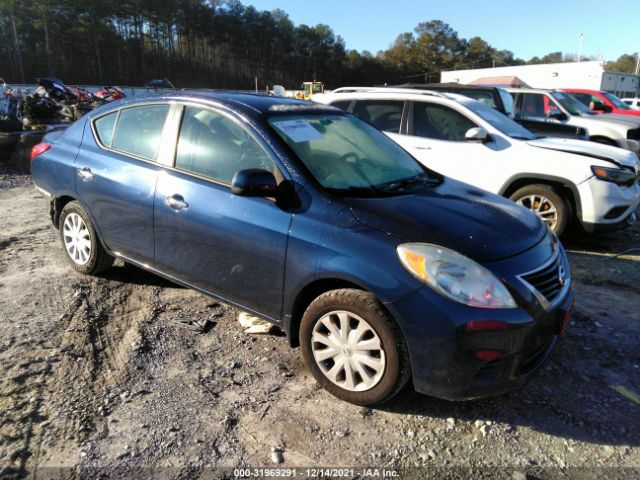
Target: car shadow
(572,408)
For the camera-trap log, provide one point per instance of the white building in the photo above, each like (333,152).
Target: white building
(591,75)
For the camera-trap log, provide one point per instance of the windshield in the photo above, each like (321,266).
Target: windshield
(500,122)
(346,154)
(619,104)
(571,104)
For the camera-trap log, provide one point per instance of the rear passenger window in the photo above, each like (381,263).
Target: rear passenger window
(386,115)
(532,105)
(439,122)
(139,130)
(104,128)
(342,104)
(214,146)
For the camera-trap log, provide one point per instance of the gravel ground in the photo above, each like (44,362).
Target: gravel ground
(129,376)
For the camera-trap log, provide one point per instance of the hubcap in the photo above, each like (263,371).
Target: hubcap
(76,239)
(541,206)
(348,351)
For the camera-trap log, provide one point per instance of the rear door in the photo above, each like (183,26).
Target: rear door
(229,245)
(116,173)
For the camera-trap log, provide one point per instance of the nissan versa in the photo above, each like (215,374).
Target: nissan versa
(378,268)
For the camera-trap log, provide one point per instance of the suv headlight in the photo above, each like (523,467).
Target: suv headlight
(454,276)
(614,175)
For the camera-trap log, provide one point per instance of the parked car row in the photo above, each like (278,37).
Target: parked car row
(564,181)
(378,266)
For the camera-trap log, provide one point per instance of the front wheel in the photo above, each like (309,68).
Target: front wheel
(354,348)
(545,202)
(80,241)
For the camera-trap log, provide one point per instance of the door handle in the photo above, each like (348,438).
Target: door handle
(423,148)
(85,174)
(176,202)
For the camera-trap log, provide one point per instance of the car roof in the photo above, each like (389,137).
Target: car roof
(451,86)
(585,90)
(396,93)
(529,90)
(247,103)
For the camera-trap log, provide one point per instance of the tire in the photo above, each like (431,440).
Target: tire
(376,354)
(80,241)
(541,200)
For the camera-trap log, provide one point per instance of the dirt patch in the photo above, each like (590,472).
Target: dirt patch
(126,374)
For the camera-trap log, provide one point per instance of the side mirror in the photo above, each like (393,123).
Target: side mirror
(254,182)
(556,114)
(476,134)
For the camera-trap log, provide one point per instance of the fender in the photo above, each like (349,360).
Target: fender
(548,178)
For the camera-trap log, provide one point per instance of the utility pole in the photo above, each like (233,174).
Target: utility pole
(580,37)
(638,64)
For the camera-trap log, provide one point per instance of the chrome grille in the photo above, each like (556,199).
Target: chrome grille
(548,280)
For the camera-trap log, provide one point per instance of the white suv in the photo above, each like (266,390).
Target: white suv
(559,179)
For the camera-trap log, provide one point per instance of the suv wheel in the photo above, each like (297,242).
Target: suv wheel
(353,347)
(80,242)
(545,202)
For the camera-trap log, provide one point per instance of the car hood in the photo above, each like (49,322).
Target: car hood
(630,113)
(615,155)
(624,120)
(473,222)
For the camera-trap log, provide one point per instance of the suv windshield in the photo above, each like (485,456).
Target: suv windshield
(499,121)
(345,154)
(571,104)
(619,104)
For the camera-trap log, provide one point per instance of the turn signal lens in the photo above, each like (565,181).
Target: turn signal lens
(484,325)
(488,355)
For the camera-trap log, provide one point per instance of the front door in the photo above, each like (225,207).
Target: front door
(229,245)
(436,137)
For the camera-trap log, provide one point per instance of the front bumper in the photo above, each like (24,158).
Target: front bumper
(606,205)
(443,354)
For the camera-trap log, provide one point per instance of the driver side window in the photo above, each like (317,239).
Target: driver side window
(435,121)
(214,146)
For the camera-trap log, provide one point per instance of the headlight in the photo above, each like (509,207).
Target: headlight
(615,175)
(454,276)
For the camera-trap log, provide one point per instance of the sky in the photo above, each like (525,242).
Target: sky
(526,28)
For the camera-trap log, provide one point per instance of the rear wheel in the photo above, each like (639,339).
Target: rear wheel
(544,201)
(80,241)
(354,348)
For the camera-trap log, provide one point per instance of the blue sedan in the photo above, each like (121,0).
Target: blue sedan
(378,268)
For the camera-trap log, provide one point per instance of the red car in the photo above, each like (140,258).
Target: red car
(602,102)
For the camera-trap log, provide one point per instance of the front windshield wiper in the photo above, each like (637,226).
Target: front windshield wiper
(420,179)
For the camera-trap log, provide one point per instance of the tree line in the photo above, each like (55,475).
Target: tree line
(220,44)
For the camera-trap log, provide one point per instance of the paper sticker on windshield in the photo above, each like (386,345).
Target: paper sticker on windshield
(299,130)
